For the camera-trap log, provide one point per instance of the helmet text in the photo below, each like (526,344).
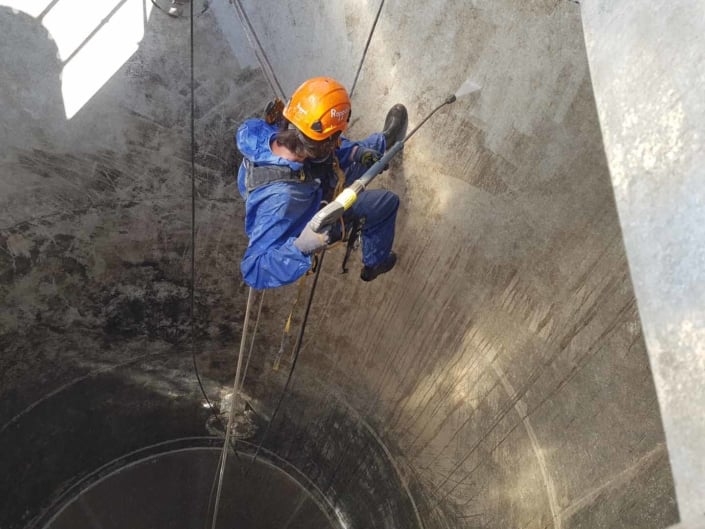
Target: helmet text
(338,116)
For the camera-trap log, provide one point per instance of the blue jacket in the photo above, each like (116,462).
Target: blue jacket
(275,214)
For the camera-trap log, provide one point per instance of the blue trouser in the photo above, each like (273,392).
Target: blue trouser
(375,208)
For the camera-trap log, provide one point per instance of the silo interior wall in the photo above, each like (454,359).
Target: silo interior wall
(496,378)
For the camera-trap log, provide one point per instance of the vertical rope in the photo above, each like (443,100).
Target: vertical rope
(233,405)
(367,45)
(193,177)
(192,303)
(252,342)
(259,51)
(192,290)
(297,350)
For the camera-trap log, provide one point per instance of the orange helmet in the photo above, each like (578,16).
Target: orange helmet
(319,108)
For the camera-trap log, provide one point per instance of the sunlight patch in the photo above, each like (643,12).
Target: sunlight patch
(102,55)
(94,39)
(71,22)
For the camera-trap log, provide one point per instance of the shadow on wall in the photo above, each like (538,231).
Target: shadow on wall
(92,42)
(30,101)
(95,219)
(95,233)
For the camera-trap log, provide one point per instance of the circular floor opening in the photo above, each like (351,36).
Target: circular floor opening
(173,490)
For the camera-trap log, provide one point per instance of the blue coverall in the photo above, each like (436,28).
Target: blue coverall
(276,213)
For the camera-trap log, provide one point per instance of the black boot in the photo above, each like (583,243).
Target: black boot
(370,273)
(395,124)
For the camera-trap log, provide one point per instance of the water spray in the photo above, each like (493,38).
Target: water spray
(333,211)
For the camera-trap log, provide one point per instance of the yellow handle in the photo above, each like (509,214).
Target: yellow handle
(347,198)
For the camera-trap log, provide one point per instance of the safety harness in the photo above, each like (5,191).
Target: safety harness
(325,171)
(261,175)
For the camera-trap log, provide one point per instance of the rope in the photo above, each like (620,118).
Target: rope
(367,45)
(297,350)
(192,289)
(276,87)
(254,333)
(339,175)
(278,90)
(240,373)
(259,51)
(233,405)
(287,325)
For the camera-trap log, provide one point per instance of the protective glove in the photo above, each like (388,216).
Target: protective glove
(365,156)
(310,242)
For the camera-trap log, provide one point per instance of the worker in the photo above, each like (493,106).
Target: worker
(291,167)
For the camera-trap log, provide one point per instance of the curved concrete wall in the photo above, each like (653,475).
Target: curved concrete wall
(499,373)
(652,117)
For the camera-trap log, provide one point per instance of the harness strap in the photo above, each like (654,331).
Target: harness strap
(260,175)
(353,241)
(327,172)
(340,177)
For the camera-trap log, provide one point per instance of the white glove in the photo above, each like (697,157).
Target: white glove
(310,242)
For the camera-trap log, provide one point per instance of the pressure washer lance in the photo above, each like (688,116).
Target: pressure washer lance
(333,211)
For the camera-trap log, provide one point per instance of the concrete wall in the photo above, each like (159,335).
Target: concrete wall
(499,373)
(648,67)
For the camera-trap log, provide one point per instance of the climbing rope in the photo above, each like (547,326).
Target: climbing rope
(367,45)
(287,325)
(259,51)
(239,380)
(254,333)
(297,350)
(271,77)
(192,290)
(233,407)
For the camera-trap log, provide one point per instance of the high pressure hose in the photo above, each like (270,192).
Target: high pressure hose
(333,211)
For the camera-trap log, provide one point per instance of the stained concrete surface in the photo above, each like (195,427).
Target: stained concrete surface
(497,377)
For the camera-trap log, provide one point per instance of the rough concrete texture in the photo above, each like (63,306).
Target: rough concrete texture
(497,377)
(648,82)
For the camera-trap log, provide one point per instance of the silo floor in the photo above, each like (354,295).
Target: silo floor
(173,490)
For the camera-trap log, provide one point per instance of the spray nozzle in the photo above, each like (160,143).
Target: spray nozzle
(468,87)
(450,99)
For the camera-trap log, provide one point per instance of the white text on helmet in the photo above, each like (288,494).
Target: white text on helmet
(300,109)
(338,116)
